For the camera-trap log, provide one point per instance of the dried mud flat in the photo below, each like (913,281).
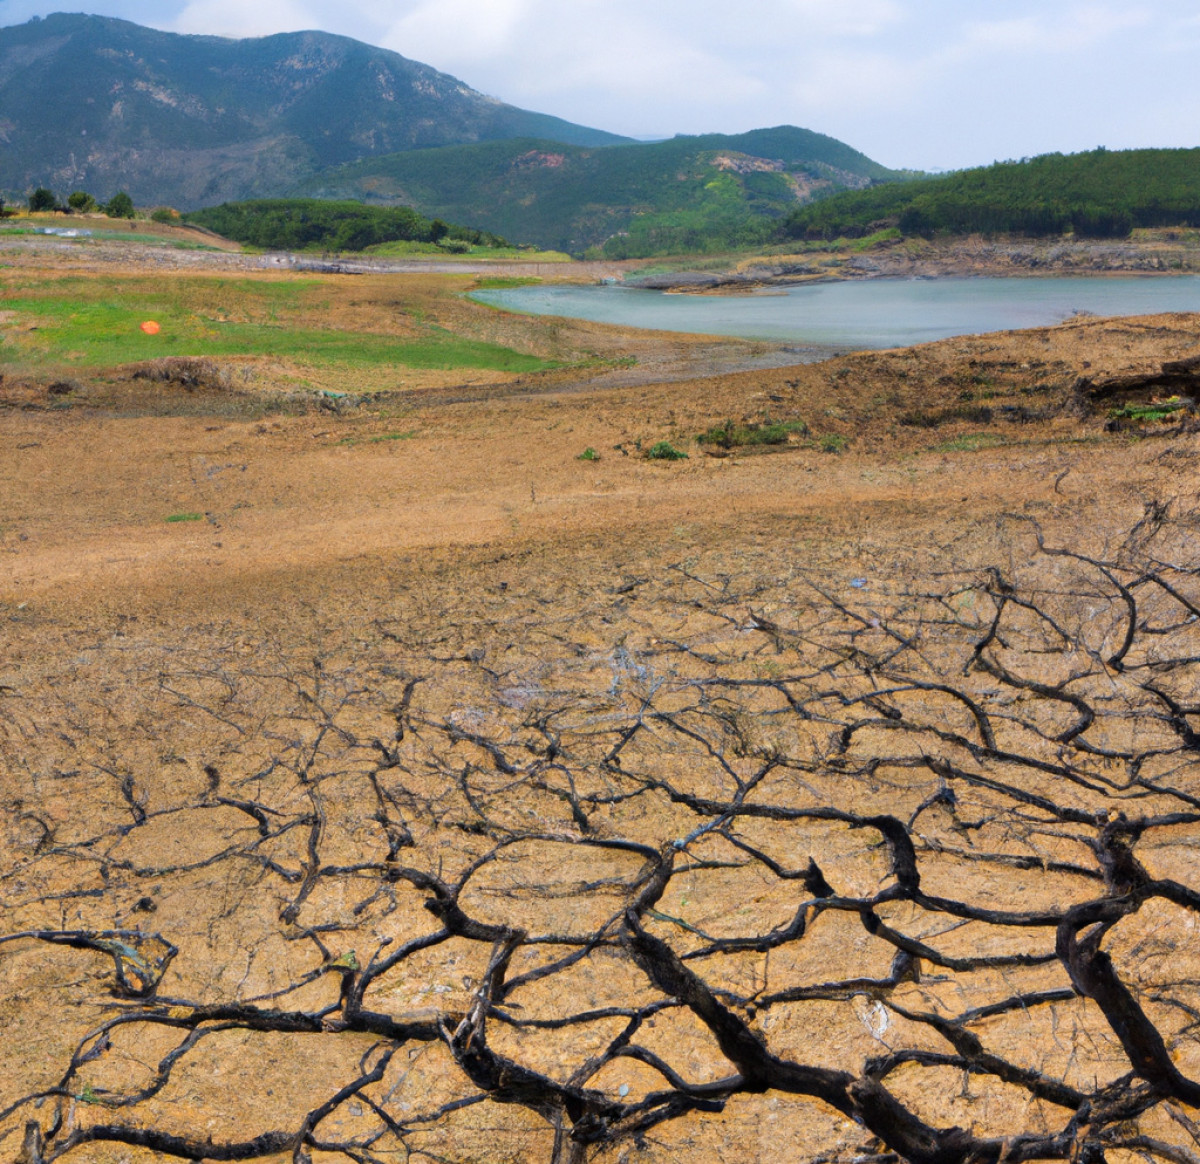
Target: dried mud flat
(435,794)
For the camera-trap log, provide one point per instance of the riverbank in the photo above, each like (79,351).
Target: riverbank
(1175,252)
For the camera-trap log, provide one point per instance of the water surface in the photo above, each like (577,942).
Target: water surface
(871,313)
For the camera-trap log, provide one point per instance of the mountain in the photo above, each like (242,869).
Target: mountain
(1099,194)
(686,194)
(88,102)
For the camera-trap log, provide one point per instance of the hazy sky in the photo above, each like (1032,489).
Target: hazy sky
(926,84)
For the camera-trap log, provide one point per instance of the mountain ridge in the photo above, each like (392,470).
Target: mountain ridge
(100,103)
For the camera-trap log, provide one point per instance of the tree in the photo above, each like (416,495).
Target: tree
(81,201)
(120,205)
(909,855)
(42,200)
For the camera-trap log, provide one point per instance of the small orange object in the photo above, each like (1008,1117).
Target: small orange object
(150,327)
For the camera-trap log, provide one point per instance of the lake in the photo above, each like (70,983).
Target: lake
(871,313)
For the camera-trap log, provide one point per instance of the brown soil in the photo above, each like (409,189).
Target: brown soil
(258,652)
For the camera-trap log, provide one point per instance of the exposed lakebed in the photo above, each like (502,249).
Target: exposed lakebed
(869,313)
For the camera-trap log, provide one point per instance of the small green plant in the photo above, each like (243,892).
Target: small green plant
(730,435)
(665,451)
(832,443)
(88,1094)
(1156,410)
(185,517)
(588,454)
(393,436)
(166,215)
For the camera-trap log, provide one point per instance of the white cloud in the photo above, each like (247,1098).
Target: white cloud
(465,30)
(929,83)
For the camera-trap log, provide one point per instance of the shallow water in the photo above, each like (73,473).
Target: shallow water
(871,313)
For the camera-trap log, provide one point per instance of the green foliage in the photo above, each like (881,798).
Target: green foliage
(166,215)
(665,451)
(588,454)
(731,436)
(1101,194)
(832,443)
(1157,410)
(120,205)
(174,517)
(42,199)
(81,201)
(690,194)
(297,224)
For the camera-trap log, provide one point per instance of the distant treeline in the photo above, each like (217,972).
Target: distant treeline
(298,224)
(1101,194)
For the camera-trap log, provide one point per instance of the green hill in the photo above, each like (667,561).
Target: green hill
(1101,194)
(686,194)
(92,103)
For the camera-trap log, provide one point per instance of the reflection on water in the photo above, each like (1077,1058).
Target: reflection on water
(871,313)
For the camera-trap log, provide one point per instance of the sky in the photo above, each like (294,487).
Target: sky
(918,84)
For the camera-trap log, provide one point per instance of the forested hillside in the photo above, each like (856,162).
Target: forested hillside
(1101,194)
(694,194)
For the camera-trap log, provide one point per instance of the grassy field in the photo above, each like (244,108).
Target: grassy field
(87,324)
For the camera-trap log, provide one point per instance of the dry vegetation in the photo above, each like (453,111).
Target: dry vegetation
(434,794)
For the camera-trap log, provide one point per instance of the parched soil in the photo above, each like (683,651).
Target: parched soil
(447,794)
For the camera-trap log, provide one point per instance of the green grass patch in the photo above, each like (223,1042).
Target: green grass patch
(1158,410)
(392,436)
(665,451)
(96,323)
(833,443)
(588,454)
(891,234)
(504,282)
(174,517)
(731,436)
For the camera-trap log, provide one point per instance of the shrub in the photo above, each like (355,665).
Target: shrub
(730,435)
(665,451)
(120,205)
(832,443)
(81,201)
(165,214)
(42,199)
